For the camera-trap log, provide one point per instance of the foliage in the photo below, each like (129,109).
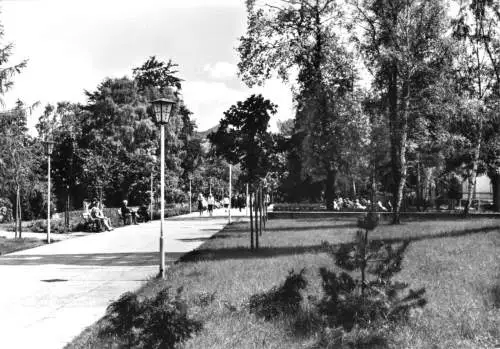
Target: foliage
(159,322)
(348,301)
(157,74)
(7,72)
(242,136)
(329,126)
(280,301)
(406,50)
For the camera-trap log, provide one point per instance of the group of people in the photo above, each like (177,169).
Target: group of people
(96,213)
(210,203)
(359,204)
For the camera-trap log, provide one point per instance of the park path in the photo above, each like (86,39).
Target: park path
(49,294)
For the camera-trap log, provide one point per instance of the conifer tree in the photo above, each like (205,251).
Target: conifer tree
(350,301)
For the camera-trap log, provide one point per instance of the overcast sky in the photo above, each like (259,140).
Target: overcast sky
(72,45)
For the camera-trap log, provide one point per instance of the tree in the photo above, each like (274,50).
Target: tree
(156,74)
(17,162)
(300,35)
(242,137)
(7,72)
(404,48)
(478,76)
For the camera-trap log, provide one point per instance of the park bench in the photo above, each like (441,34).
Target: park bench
(90,224)
(127,218)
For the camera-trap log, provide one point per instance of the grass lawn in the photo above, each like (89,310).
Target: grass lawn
(457,261)
(12,245)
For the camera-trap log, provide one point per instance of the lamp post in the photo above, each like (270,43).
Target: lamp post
(49,146)
(190,194)
(230,190)
(162,111)
(151,204)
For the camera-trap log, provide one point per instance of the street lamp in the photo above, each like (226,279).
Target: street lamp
(49,147)
(190,176)
(162,112)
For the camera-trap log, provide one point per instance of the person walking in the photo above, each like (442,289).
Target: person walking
(210,204)
(225,203)
(200,203)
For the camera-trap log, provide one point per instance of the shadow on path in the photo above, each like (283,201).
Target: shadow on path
(98,259)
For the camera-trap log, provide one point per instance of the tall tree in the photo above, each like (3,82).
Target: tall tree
(402,42)
(157,74)
(478,75)
(302,36)
(7,72)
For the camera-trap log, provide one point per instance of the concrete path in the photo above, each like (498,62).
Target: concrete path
(49,294)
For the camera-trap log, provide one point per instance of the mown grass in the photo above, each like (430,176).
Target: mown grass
(457,261)
(13,245)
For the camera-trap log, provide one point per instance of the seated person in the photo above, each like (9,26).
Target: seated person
(143,214)
(126,212)
(358,205)
(380,206)
(96,213)
(336,206)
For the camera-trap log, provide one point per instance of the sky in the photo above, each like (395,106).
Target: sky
(73,45)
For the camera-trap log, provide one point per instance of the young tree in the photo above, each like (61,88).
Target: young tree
(17,162)
(242,137)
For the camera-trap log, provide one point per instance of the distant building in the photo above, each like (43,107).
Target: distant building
(483,189)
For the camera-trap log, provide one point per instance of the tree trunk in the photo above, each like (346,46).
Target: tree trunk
(419,186)
(330,189)
(398,144)
(260,211)
(473,175)
(495,184)
(18,232)
(255,208)
(251,222)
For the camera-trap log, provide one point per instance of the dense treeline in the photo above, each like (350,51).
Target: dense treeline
(399,97)
(428,119)
(108,148)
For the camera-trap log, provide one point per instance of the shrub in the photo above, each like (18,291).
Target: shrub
(282,300)
(348,301)
(56,226)
(159,322)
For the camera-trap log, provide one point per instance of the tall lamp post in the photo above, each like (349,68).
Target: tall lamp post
(162,112)
(151,204)
(49,147)
(230,190)
(190,194)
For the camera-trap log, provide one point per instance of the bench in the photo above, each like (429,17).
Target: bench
(91,224)
(127,218)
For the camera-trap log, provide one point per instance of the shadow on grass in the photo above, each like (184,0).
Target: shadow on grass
(244,252)
(453,233)
(313,227)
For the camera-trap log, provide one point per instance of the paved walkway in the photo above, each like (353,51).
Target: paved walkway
(49,294)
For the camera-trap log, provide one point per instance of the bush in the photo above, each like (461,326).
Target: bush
(159,322)
(56,227)
(348,301)
(282,300)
